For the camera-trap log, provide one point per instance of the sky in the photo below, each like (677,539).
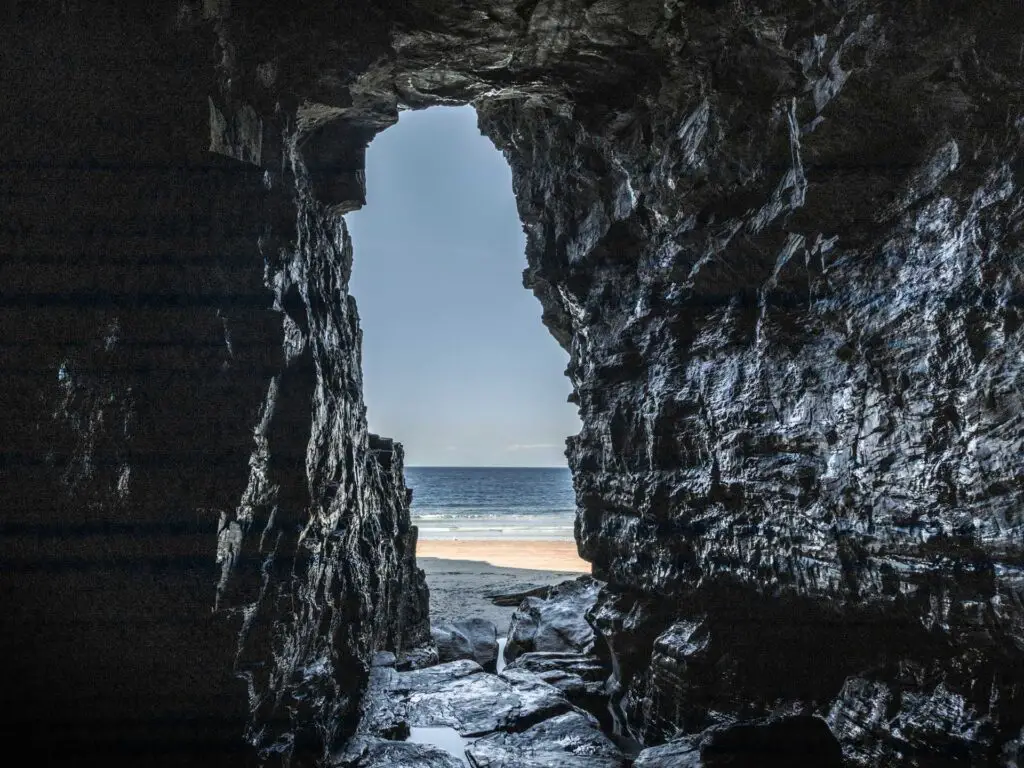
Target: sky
(457,365)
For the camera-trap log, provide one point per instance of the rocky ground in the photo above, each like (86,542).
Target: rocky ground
(548,707)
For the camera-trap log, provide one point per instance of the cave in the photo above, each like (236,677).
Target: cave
(780,240)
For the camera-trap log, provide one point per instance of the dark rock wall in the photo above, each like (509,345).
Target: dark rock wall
(780,240)
(201,546)
(790,276)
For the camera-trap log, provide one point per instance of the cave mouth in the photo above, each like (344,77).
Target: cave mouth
(457,365)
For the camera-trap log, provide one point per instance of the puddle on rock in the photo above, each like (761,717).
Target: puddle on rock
(501,653)
(447,739)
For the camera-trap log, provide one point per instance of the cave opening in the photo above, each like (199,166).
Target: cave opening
(457,365)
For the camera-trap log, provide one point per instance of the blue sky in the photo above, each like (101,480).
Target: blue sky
(457,365)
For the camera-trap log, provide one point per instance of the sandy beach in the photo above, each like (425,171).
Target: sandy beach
(558,556)
(462,575)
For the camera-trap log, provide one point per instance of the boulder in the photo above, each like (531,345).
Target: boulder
(383,659)
(417,658)
(458,695)
(571,740)
(575,674)
(382,753)
(681,753)
(581,677)
(475,639)
(788,741)
(554,624)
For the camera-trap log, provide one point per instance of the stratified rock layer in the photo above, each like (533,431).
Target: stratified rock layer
(780,240)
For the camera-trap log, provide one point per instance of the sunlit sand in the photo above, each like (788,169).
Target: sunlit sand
(533,555)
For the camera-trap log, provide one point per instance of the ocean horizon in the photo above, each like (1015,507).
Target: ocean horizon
(484,503)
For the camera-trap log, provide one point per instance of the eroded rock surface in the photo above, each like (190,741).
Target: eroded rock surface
(554,623)
(778,743)
(575,674)
(457,695)
(366,752)
(780,240)
(571,740)
(475,639)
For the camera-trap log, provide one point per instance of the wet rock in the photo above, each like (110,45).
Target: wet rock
(581,677)
(475,639)
(383,659)
(458,695)
(783,252)
(575,674)
(513,599)
(682,753)
(881,722)
(365,752)
(555,623)
(781,743)
(571,740)
(417,658)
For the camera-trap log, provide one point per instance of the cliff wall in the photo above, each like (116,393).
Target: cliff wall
(780,240)
(201,545)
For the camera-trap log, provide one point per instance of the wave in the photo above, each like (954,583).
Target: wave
(525,513)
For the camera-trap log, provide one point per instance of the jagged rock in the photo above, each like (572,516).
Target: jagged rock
(383,659)
(682,753)
(581,677)
(417,658)
(556,623)
(575,674)
(571,740)
(781,243)
(364,752)
(457,695)
(878,723)
(475,639)
(513,599)
(781,743)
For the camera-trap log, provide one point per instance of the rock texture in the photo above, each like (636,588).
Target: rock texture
(779,743)
(475,639)
(200,545)
(781,241)
(575,674)
(555,623)
(458,695)
(567,741)
(381,753)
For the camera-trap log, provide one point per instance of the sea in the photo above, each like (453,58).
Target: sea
(492,502)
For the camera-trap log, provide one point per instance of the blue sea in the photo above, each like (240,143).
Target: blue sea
(492,502)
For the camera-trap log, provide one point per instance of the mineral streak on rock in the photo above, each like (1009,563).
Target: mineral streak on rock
(781,242)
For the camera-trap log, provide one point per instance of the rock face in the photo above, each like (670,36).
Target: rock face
(574,674)
(779,743)
(475,639)
(582,678)
(781,241)
(567,741)
(382,753)
(555,623)
(458,695)
(200,545)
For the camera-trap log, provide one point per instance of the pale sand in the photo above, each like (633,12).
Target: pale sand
(462,575)
(557,556)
